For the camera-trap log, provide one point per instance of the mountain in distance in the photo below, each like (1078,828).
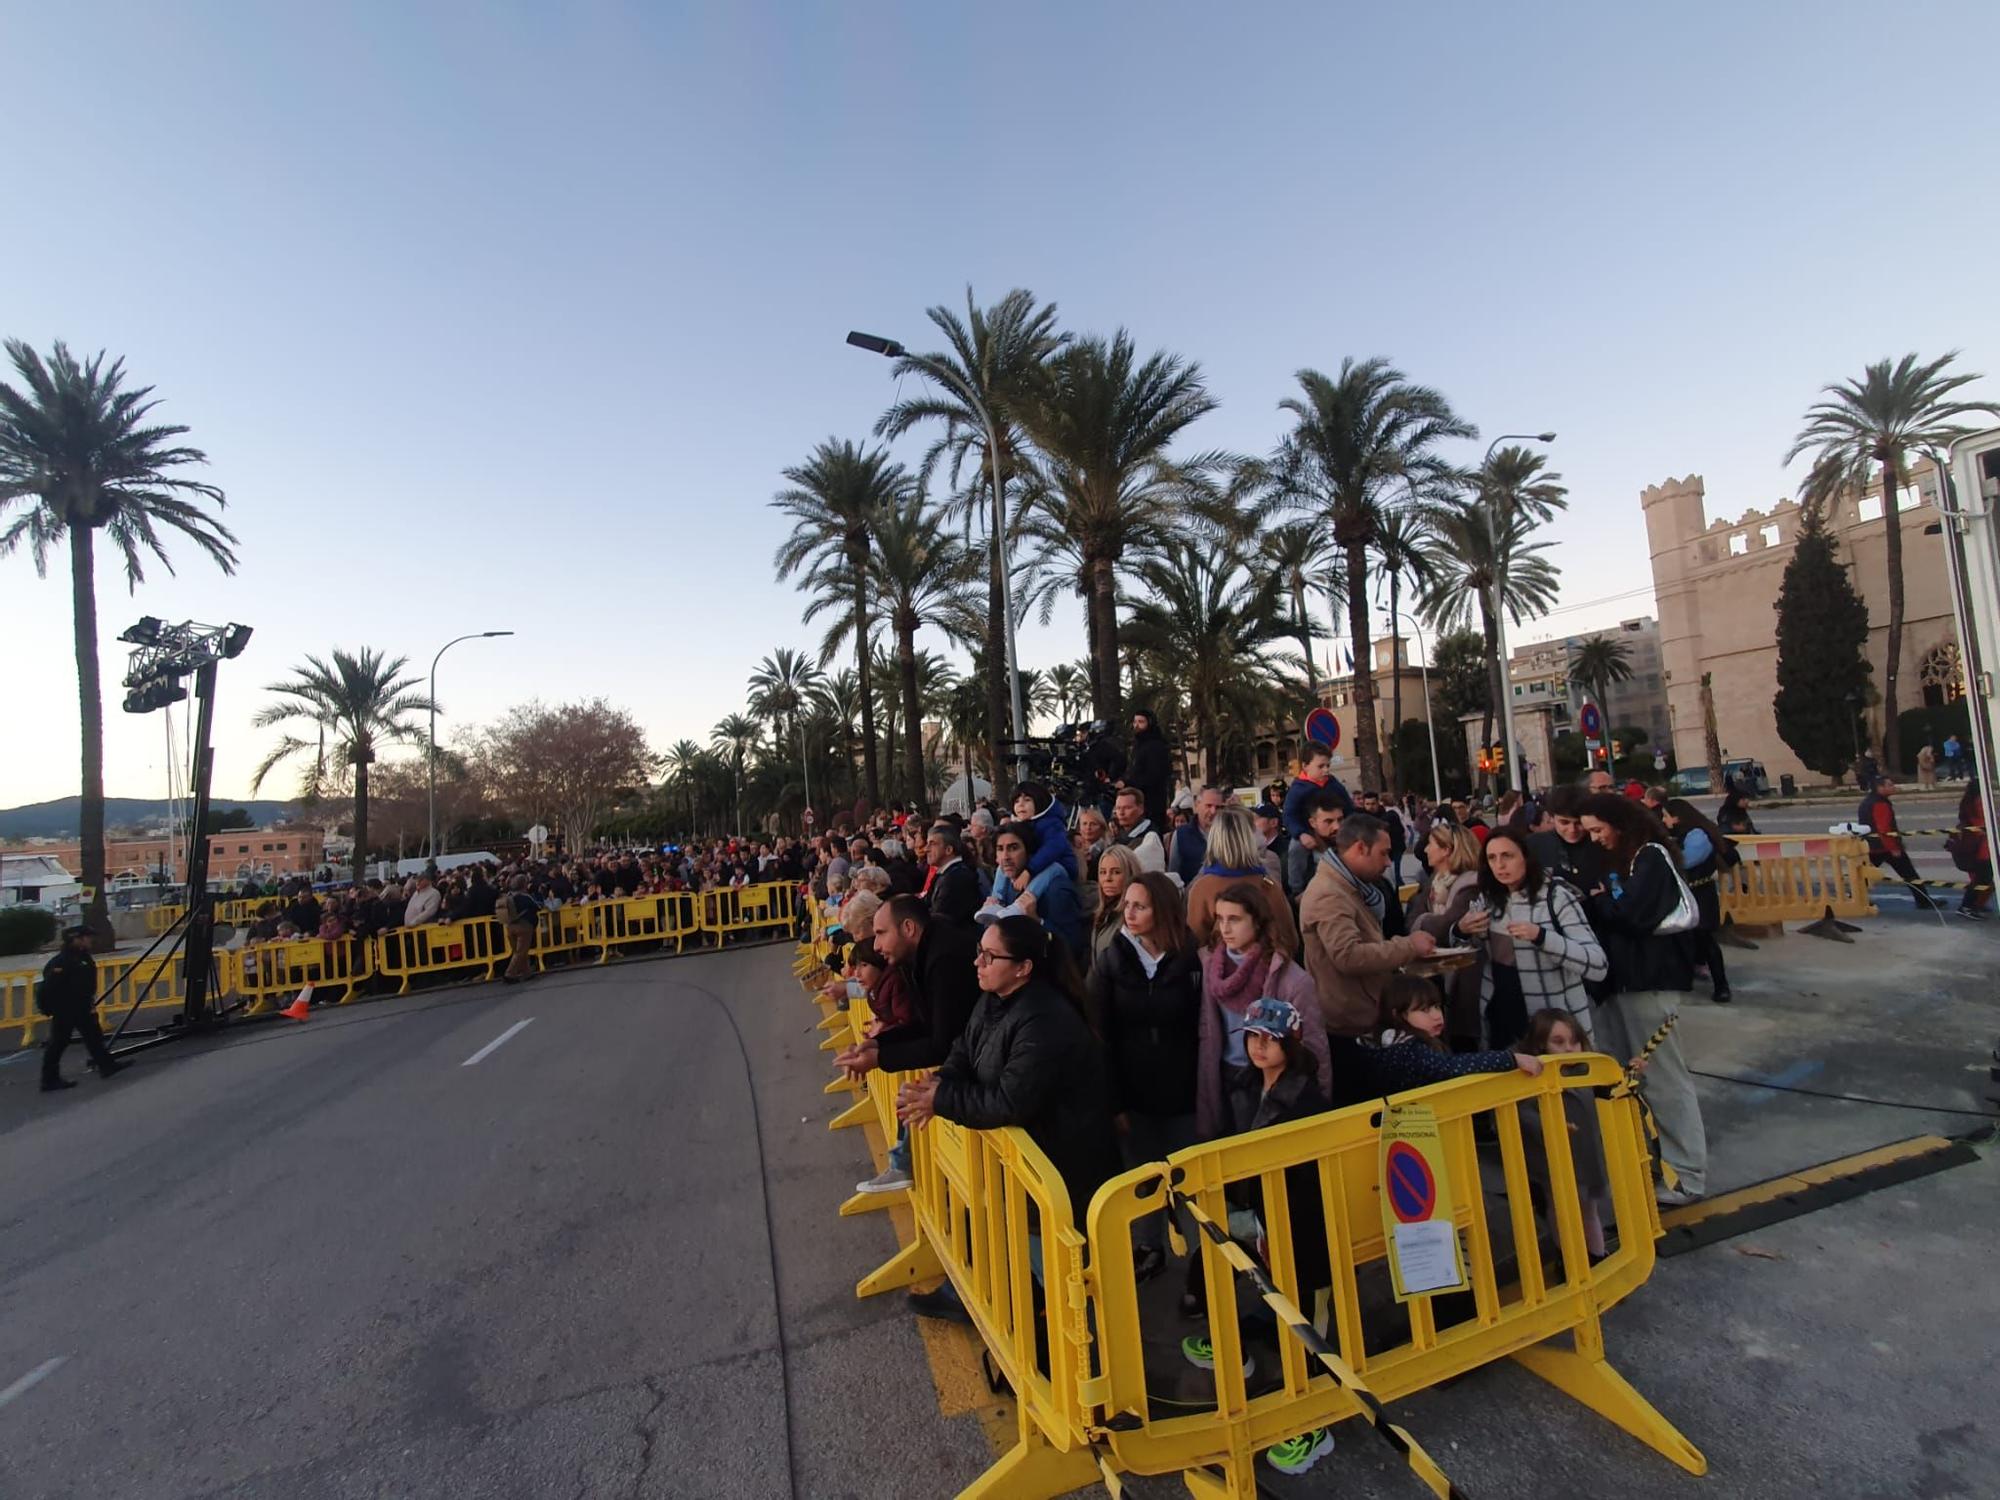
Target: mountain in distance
(62,818)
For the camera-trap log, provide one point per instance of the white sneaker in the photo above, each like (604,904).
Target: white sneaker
(1668,1197)
(888,1180)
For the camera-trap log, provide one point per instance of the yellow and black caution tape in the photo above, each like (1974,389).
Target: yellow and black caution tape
(1289,1317)
(1630,1089)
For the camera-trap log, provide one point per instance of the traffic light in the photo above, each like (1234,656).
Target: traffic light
(1485,759)
(1499,757)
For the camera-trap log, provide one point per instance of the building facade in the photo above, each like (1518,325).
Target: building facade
(1716,584)
(1541,674)
(1277,753)
(233,856)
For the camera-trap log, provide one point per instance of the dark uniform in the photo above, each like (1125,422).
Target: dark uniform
(69,992)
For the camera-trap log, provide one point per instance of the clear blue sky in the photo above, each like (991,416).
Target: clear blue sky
(509,316)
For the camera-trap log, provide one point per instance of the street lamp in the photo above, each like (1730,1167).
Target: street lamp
(1516,774)
(890,349)
(431,759)
(1430,724)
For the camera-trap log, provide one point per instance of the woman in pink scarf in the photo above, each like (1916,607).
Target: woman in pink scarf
(1240,968)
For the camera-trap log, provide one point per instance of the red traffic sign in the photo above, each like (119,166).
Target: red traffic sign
(1322,728)
(1592,720)
(1413,1192)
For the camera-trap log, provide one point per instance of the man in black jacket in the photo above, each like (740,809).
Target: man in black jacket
(1151,767)
(954,891)
(69,999)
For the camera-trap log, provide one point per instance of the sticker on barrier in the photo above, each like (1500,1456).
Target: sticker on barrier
(1417,1218)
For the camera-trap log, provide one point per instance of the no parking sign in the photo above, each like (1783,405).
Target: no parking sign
(1417,1216)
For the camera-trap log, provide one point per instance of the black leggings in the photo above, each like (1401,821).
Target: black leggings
(1709,951)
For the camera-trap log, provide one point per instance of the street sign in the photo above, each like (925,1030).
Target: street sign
(1322,728)
(809,817)
(1418,1220)
(1659,760)
(538,834)
(1592,721)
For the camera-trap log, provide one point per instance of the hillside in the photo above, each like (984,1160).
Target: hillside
(59,819)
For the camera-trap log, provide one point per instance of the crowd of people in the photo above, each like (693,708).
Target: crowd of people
(1122,981)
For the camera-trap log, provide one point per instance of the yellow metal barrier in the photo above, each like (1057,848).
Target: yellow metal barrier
(275,972)
(609,925)
(751,908)
(1797,880)
(160,918)
(440,948)
(121,980)
(1553,1288)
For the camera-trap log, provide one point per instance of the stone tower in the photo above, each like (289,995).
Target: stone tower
(1676,525)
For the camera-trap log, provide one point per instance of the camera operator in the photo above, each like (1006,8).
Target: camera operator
(1151,767)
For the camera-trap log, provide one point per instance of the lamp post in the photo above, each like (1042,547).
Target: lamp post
(890,349)
(431,758)
(1515,775)
(1430,724)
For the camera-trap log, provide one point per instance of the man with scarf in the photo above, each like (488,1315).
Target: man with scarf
(1341,920)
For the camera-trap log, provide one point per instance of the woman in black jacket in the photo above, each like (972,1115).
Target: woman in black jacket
(1650,972)
(1145,1001)
(1026,1058)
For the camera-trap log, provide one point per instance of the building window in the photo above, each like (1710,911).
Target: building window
(283,847)
(1770,534)
(242,848)
(267,848)
(1739,544)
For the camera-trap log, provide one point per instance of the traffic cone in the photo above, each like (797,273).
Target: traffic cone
(300,1008)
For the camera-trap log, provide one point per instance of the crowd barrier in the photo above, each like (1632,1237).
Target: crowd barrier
(269,974)
(1060,1311)
(1797,880)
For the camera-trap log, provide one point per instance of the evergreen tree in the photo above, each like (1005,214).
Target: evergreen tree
(1822,668)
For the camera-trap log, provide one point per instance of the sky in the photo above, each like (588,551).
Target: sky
(508,316)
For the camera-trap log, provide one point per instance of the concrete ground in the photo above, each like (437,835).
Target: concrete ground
(335,1260)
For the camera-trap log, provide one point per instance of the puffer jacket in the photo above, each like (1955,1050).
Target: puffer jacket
(1028,1059)
(1151,1026)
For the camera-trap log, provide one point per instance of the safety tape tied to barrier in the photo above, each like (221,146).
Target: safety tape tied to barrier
(1289,1317)
(1630,1089)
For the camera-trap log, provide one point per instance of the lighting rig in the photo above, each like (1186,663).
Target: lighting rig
(163,657)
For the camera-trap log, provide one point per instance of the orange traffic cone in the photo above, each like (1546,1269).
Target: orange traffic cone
(300,1008)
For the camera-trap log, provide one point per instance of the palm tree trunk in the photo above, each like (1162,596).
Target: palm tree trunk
(1304,628)
(1711,742)
(1103,609)
(1495,684)
(361,811)
(1367,740)
(997,732)
(1395,682)
(913,727)
(857,558)
(1892,556)
(90,717)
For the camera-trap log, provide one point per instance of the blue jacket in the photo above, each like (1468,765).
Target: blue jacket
(1300,793)
(1052,826)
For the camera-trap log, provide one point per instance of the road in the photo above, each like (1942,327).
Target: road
(522,1242)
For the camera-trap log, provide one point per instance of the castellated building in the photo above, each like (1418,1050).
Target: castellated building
(1716,585)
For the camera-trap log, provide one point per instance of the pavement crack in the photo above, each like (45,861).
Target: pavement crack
(643,1430)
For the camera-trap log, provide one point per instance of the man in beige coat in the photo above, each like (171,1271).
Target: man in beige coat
(1340,919)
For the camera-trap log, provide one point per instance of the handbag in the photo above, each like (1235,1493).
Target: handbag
(1686,916)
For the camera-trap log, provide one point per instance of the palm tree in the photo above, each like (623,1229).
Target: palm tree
(1069,683)
(363,701)
(1356,437)
(1296,554)
(76,445)
(1205,621)
(1461,589)
(683,766)
(1877,423)
(1403,544)
(924,576)
(733,739)
(837,703)
(779,692)
(832,504)
(998,354)
(1102,424)
(1600,661)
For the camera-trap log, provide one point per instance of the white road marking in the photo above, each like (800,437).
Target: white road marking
(494,1045)
(33,1378)
(25,1052)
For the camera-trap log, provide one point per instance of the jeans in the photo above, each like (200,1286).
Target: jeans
(1150,1138)
(899,1154)
(1624,1023)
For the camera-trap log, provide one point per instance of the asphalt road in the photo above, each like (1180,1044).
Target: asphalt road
(335,1260)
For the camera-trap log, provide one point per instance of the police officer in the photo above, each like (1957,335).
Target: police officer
(69,997)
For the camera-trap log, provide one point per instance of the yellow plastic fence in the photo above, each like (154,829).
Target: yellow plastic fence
(160,918)
(1550,1289)
(1797,880)
(269,974)
(1060,1313)
(235,913)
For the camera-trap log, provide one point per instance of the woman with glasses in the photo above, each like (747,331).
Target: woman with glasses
(1026,1058)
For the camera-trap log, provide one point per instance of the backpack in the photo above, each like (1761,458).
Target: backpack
(1962,845)
(526,907)
(42,998)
